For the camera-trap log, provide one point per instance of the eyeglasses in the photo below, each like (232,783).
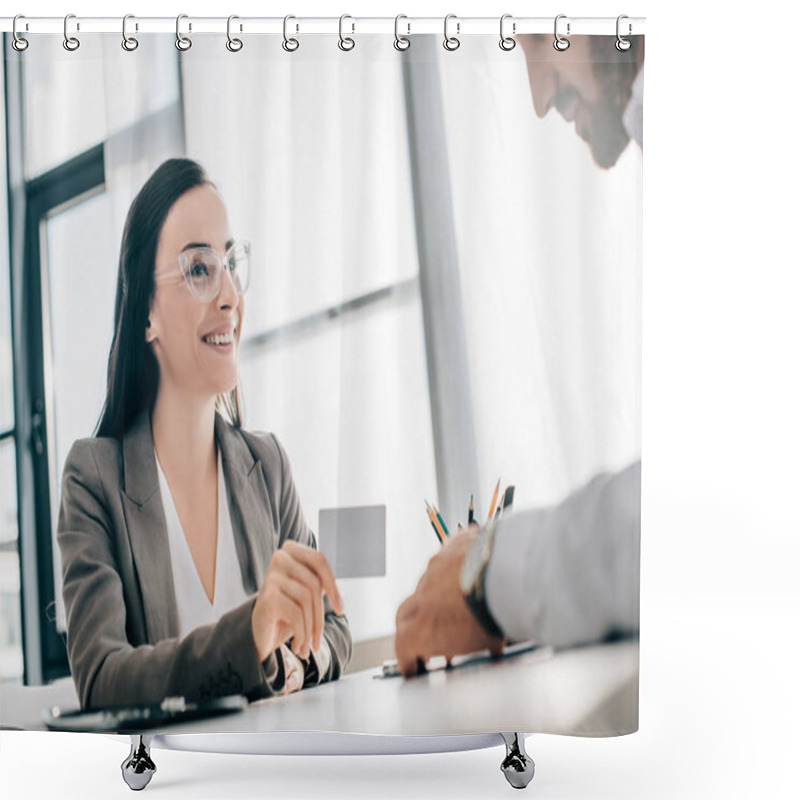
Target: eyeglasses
(202,270)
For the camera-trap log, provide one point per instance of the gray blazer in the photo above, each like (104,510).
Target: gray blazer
(122,622)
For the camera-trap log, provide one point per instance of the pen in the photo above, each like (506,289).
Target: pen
(471,518)
(494,500)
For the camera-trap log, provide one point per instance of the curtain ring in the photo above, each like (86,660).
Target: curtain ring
(507,43)
(289,44)
(18,43)
(181,42)
(450,42)
(345,42)
(233,45)
(70,42)
(401,42)
(561,43)
(128,42)
(622,44)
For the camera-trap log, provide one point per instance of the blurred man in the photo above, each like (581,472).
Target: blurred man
(569,574)
(593,85)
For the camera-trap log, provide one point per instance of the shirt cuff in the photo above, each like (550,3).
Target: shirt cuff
(509,586)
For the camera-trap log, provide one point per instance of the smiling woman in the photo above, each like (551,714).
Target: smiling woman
(188,566)
(184,328)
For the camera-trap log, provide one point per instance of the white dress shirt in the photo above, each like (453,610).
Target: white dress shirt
(569,574)
(194,607)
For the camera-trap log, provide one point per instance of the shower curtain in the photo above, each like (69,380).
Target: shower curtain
(441,329)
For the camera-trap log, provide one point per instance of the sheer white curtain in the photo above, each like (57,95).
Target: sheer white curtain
(143,117)
(309,151)
(549,250)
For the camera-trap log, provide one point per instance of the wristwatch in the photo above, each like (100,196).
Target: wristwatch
(473,579)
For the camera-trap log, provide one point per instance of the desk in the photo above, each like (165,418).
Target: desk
(587,691)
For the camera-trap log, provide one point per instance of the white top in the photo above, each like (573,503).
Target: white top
(194,608)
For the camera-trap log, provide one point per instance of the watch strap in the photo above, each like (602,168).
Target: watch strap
(476,597)
(476,603)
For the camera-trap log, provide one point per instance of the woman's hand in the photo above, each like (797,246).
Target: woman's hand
(289,603)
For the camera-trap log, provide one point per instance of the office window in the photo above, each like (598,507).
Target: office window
(90,104)
(72,191)
(11,661)
(80,311)
(6,359)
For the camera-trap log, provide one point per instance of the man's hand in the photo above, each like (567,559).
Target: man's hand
(435,620)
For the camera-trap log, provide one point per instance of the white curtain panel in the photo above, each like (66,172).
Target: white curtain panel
(549,250)
(311,153)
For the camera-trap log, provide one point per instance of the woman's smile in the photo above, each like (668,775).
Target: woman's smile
(223,337)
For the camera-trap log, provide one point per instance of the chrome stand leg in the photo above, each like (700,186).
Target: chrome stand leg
(517,766)
(138,768)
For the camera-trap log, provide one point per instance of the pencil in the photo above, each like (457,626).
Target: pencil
(441,521)
(471,518)
(435,529)
(434,522)
(494,500)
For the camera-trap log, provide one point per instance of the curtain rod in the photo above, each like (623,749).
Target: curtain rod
(460,26)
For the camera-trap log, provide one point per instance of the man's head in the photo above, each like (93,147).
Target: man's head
(588,84)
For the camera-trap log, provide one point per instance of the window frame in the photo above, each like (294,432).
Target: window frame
(30,204)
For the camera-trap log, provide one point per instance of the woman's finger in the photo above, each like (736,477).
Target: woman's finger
(303,596)
(316,562)
(288,604)
(298,571)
